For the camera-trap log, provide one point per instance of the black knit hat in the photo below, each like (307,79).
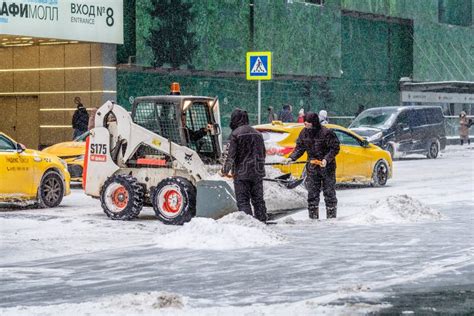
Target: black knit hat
(313,118)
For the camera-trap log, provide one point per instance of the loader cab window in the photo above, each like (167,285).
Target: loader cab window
(196,118)
(160,118)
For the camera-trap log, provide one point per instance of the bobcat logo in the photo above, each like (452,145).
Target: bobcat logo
(188,157)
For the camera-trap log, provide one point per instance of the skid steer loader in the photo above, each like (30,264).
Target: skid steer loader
(153,157)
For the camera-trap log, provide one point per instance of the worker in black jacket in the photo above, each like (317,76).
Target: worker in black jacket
(246,161)
(322,144)
(80,119)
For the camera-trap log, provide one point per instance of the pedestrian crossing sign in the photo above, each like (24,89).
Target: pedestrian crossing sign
(259,65)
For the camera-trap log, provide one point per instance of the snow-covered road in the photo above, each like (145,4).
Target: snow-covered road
(415,232)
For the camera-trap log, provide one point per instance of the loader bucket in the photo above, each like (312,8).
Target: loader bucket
(215,199)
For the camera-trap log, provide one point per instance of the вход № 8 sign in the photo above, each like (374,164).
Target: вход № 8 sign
(80,20)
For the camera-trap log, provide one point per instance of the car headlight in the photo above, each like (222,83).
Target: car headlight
(375,137)
(63,163)
(81,157)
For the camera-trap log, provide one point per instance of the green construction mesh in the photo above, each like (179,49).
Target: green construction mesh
(341,61)
(304,39)
(426,10)
(443,53)
(456,12)
(221,29)
(128,48)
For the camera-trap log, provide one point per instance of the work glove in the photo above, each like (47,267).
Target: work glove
(287,161)
(323,163)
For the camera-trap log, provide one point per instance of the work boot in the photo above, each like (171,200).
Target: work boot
(331,212)
(314,212)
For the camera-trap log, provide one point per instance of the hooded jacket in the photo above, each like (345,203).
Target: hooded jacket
(323,117)
(246,154)
(80,119)
(285,115)
(319,142)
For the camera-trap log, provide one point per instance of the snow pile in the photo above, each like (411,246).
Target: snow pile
(395,209)
(278,197)
(163,303)
(236,230)
(145,303)
(148,300)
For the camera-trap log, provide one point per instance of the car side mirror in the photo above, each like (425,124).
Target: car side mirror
(365,143)
(20,148)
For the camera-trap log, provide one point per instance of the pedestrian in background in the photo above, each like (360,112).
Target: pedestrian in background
(320,143)
(246,160)
(285,114)
(271,115)
(323,117)
(464,128)
(301,116)
(80,119)
(359,110)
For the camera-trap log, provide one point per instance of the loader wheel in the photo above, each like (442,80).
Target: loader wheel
(51,190)
(174,201)
(122,197)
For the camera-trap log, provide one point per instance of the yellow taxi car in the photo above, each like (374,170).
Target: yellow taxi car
(358,161)
(73,153)
(31,176)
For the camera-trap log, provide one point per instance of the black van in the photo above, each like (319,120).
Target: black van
(403,129)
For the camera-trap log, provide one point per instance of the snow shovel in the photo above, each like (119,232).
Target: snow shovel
(285,179)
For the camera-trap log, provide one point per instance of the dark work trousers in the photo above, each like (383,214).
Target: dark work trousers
(325,179)
(247,191)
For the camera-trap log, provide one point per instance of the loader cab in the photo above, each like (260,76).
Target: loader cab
(183,119)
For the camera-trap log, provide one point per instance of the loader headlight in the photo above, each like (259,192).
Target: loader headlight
(375,137)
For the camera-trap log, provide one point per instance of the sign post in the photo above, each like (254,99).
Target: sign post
(259,67)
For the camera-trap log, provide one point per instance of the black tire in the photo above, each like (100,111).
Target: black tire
(380,174)
(51,190)
(433,150)
(174,201)
(121,197)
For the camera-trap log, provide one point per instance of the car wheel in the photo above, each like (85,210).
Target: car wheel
(380,174)
(51,190)
(433,151)
(122,197)
(174,201)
